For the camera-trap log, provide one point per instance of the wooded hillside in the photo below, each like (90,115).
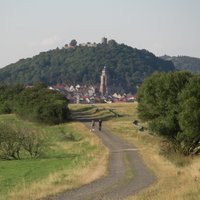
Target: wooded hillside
(127,66)
(184,63)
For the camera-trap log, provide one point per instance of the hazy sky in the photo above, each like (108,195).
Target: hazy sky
(28,27)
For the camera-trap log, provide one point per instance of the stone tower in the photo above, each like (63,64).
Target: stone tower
(104,83)
(104,40)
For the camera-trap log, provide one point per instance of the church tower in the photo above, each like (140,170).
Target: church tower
(104,83)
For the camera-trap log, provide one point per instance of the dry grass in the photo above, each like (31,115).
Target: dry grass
(59,182)
(71,178)
(173,182)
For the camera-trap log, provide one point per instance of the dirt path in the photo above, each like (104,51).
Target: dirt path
(127,173)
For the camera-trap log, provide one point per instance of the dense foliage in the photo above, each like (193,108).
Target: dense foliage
(36,103)
(8,95)
(184,63)
(170,102)
(127,66)
(189,116)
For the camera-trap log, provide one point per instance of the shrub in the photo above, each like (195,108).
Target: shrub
(14,140)
(10,142)
(170,102)
(36,103)
(42,105)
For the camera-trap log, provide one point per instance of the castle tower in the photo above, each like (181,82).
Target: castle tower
(104,40)
(104,83)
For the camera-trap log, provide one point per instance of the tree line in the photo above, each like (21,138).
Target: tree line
(170,103)
(37,103)
(184,63)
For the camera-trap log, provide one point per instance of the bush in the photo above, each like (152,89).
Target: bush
(170,102)
(8,97)
(33,142)
(42,105)
(37,103)
(15,140)
(10,142)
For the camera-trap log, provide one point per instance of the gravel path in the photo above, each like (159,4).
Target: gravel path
(127,173)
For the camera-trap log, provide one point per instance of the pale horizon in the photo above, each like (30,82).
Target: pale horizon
(161,27)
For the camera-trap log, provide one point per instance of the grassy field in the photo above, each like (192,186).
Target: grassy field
(178,177)
(72,153)
(75,156)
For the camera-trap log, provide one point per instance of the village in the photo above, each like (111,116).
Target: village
(92,94)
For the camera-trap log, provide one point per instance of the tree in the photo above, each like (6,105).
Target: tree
(112,43)
(159,103)
(189,117)
(73,43)
(8,97)
(42,105)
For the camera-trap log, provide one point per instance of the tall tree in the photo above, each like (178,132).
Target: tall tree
(189,117)
(159,103)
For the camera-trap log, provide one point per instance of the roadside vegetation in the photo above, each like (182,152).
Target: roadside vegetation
(177,176)
(69,156)
(169,102)
(37,103)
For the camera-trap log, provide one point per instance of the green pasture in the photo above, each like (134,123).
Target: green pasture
(65,148)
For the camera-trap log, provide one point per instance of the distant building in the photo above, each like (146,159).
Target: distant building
(67,46)
(104,83)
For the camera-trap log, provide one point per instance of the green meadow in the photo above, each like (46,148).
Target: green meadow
(68,147)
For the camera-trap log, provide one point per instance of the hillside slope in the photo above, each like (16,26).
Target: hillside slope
(184,63)
(126,66)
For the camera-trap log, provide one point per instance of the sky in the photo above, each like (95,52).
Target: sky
(28,27)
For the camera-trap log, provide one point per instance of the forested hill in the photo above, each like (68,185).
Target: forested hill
(184,63)
(126,66)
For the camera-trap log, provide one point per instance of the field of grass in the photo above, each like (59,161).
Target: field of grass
(71,154)
(74,157)
(178,177)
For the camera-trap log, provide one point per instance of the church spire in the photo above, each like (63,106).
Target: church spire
(104,82)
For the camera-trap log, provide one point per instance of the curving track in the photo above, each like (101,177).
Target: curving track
(127,174)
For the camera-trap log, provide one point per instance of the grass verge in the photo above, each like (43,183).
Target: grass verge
(69,161)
